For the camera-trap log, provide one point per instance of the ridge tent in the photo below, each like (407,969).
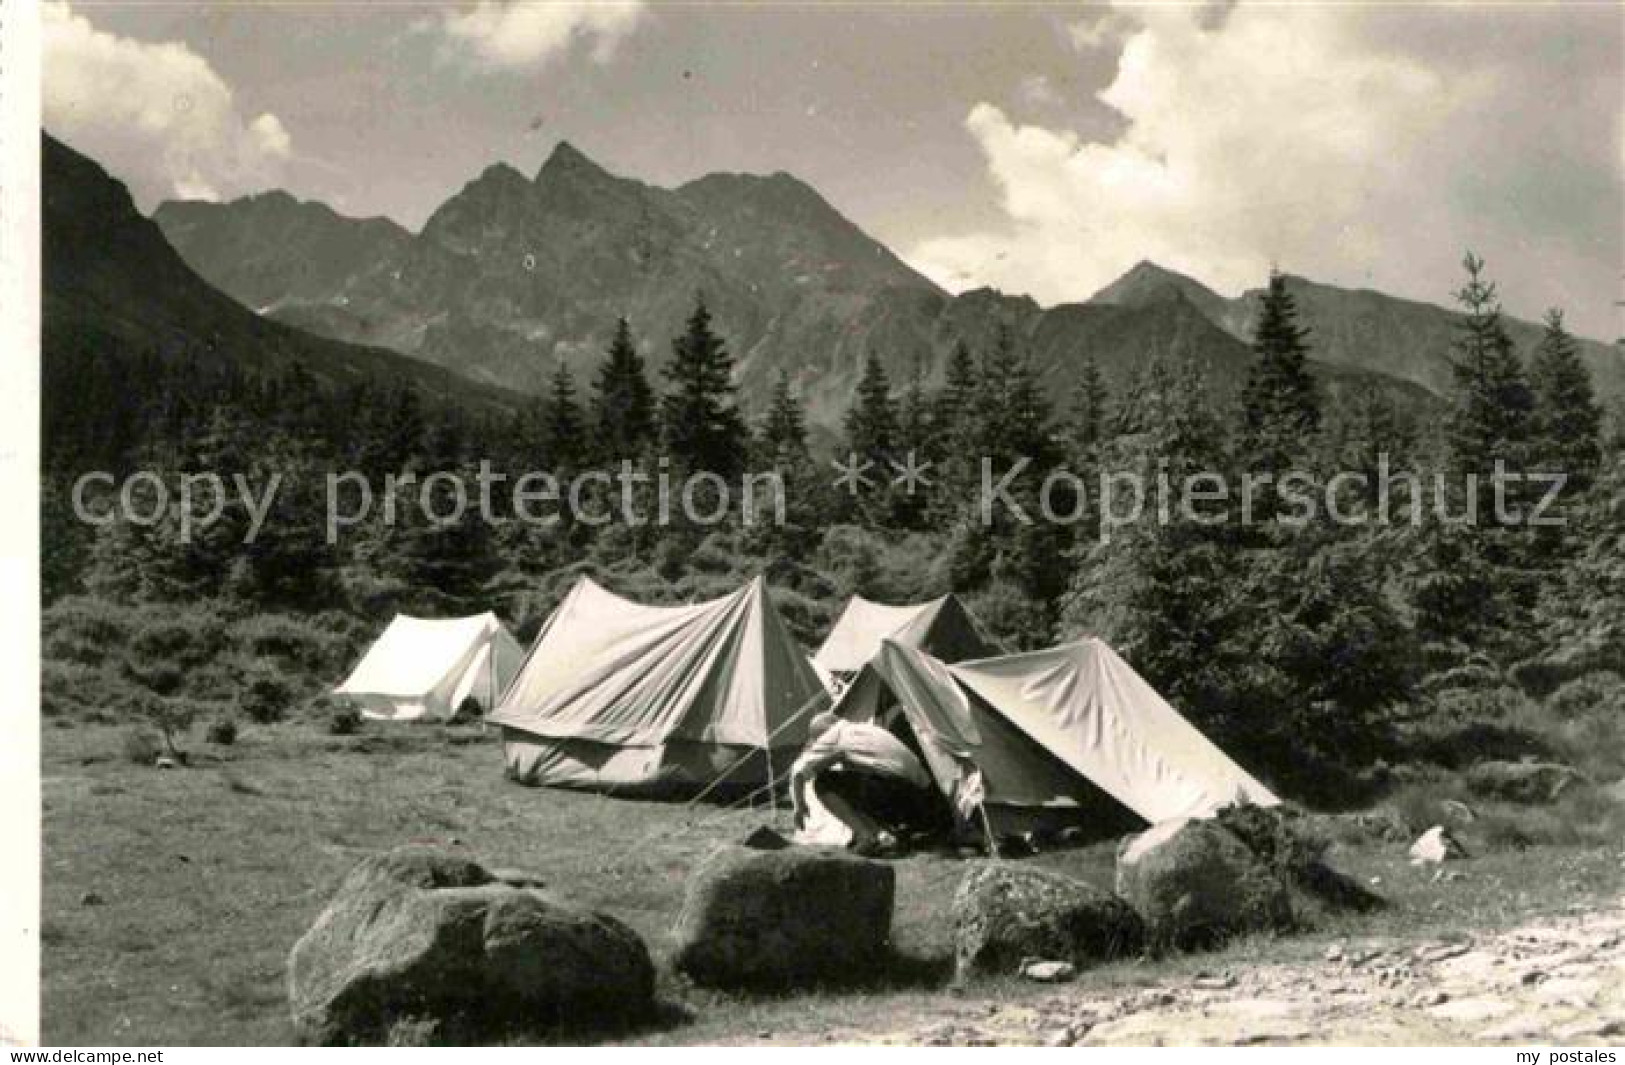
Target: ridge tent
(617,694)
(1070,735)
(942,627)
(422,667)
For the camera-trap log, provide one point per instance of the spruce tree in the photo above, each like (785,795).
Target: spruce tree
(957,427)
(623,401)
(396,436)
(871,421)
(1013,410)
(914,415)
(562,440)
(701,424)
(1280,404)
(782,446)
(955,413)
(1086,423)
(784,431)
(1567,424)
(1494,405)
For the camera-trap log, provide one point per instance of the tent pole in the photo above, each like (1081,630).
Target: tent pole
(987,826)
(772,790)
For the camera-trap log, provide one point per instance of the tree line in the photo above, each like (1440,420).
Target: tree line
(1302,643)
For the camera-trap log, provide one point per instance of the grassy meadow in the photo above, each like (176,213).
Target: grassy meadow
(172,897)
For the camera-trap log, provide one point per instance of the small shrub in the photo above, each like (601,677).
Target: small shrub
(222,731)
(1471,677)
(1582,817)
(344,721)
(1421,805)
(293,644)
(73,691)
(1480,704)
(1481,741)
(1588,694)
(265,696)
(468,710)
(413,1032)
(180,640)
(1538,676)
(141,747)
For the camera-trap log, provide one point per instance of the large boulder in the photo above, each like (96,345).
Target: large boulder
(1525,782)
(1005,914)
(1195,883)
(423,937)
(780,918)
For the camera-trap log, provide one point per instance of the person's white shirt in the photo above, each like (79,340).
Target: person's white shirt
(864,748)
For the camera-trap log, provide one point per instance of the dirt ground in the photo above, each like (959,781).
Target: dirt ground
(1558,981)
(171,899)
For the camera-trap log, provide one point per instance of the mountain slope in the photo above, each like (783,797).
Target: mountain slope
(113,287)
(1355,329)
(511,276)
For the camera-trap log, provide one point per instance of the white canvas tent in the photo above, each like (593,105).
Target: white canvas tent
(941,627)
(421,667)
(617,694)
(1066,735)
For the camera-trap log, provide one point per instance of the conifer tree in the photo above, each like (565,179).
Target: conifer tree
(701,424)
(871,421)
(395,437)
(1567,425)
(1086,424)
(957,428)
(1280,404)
(623,401)
(784,430)
(914,417)
(562,440)
(1493,404)
(955,414)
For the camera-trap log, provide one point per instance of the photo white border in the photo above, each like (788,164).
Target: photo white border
(19,536)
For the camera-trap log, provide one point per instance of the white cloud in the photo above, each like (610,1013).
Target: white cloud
(515,33)
(1273,135)
(156,115)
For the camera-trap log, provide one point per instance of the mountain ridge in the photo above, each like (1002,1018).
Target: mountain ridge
(510,277)
(114,288)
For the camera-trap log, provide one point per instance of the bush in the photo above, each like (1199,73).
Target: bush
(1596,691)
(1483,741)
(1582,817)
(140,746)
(1421,805)
(265,696)
(1480,704)
(344,721)
(296,645)
(468,710)
(1472,677)
(181,639)
(222,731)
(73,691)
(1013,620)
(83,629)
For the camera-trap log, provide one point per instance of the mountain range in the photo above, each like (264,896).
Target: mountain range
(513,275)
(114,288)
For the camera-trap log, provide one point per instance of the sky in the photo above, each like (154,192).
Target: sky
(1040,149)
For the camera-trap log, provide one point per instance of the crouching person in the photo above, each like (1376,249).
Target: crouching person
(859,786)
